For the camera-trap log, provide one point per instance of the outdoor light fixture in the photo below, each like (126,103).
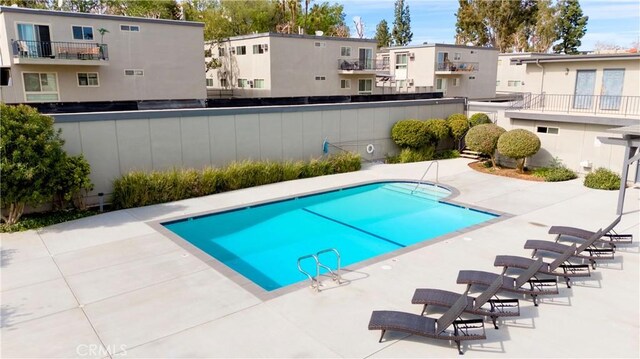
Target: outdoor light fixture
(566,71)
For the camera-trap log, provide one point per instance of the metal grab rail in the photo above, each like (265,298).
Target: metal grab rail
(334,275)
(314,281)
(425,173)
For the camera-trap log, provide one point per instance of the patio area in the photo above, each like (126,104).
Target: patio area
(112,286)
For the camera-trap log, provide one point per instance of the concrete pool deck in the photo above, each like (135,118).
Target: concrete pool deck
(112,286)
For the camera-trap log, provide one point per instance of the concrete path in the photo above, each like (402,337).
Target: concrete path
(112,286)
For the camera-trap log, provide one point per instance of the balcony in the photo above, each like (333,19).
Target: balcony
(59,53)
(362,66)
(613,108)
(456,68)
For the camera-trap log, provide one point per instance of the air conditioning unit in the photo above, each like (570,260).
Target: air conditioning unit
(410,82)
(412,56)
(265,47)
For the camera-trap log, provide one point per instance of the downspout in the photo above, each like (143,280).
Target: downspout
(541,82)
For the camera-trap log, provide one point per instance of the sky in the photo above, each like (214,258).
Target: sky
(610,21)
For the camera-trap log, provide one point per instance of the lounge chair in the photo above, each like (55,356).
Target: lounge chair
(561,262)
(428,327)
(609,235)
(587,250)
(497,307)
(515,285)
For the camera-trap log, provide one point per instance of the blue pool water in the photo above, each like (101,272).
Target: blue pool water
(263,243)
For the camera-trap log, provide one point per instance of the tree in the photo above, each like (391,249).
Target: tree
(401,33)
(330,19)
(33,4)
(544,33)
(484,139)
(518,144)
(72,178)
(571,27)
(155,9)
(383,37)
(31,151)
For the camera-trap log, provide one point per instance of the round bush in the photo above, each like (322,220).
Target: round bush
(602,178)
(518,144)
(479,119)
(458,126)
(484,138)
(410,133)
(437,129)
(457,116)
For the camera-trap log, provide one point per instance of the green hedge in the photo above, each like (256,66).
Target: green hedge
(554,174)
(479,119)
(410,133)
(602,178)
(137,189)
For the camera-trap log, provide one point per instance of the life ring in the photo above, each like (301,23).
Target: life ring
(370,148)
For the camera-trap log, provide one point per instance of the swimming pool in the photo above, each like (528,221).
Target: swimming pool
(263,243)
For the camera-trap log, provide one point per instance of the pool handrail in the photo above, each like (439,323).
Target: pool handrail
(425,173)
(315,284)
(334,275)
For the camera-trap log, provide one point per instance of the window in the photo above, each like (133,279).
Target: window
(88,79)
(499,62)
(365,86)
(82,32)
(401,83)
(345,84)
(548,130)
(345,51)
(473,78)
(258,83)
(241,50)
(513,83)
(134,72)
(497,82)
(260,49)
(131,28)
(456,82)
(385,62)
(40,87)
(457,56)
(319,44)
(441,84)
(221,52)
(320,78)
(401,61)
(242,83)
(209,82)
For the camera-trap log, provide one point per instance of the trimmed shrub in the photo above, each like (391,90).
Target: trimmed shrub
(458,126)
(484,139)
(479,119)
(408,155)
(602,178)
(437,129)
(410,133)
(137,189)
(518,144)
(457,116)
(555,174)
(71,181)
(447,154)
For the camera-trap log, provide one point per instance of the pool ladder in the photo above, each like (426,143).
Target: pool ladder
(315,280)
(425,173)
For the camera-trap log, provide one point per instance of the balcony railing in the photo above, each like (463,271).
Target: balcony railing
(588,104)
(458,66)
(362,65)
(59,50)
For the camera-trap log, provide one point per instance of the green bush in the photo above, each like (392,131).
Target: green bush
(137,189)
(408,155)
(457,116)
(518,144)
(602,178)
(484,139)
(479,119)
(39,220)
(554,174)
(437,129)
(71,180)
(447,154)
(458,126)
(410,133)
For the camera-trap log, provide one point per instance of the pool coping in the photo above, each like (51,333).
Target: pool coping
(265,295)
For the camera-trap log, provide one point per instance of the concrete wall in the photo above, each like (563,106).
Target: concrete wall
(169,52)
(508,72)
(116,143)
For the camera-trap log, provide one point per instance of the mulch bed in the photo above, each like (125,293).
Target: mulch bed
(505,172)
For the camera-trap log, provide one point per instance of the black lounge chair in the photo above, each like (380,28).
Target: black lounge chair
(537,286)
(497,307)
(609,235)
(561,262)
(587,250)
(428,327)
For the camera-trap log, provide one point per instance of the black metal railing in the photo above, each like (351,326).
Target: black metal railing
(590,104)
(362,64)
(59,50)
(457,66)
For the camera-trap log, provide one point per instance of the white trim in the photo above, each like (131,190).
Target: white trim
(83,26)
(345,47)
(83,86)
(24,89)
(348,82)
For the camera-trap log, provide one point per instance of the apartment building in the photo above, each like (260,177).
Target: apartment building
(512,78)
(571,101)
(287,65)
(455,70)
(61,57)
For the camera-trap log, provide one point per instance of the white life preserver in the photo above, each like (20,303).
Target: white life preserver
(370,148)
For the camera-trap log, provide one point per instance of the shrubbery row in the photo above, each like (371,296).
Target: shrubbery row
(141,189)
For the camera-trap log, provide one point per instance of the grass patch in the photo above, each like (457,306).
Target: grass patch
(39,220)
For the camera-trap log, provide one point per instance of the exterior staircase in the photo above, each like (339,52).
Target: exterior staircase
(467,153)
